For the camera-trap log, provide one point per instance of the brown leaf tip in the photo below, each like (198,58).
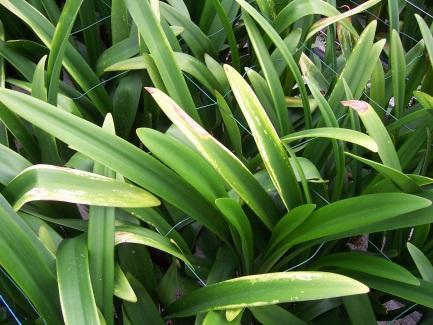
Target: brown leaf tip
(358,105)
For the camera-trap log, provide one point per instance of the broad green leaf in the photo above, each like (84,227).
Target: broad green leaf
(285,52)
(377,131)
(404,182)
(44,182)
(47,143)
(230,124)
(237,218)
(358,68)
(359,309)
(198,42)
(117,155)
(73,61)
(222,160)
(157,221)
(144,307)
(275,88)
(271,149)
(265,289)
(11,164)
(159,48)
(344,215)
(100,243)
(58,47)
(187,63)
(297,9)
(335,133)
(377,266)
(321,24)
(227,25)
(427,36)
(394,13)
(143,236)
(184,161)
(126,100)
(122,287)
(119,21)
(76,296)
(29,263)
(279,243)
(423,264)
(398,68)
(269,315)
(420,294)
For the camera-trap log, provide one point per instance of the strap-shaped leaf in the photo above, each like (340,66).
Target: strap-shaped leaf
(76,296)
(117,154)
(223,161)
(268,143)
(44,182)
(265,289)
(347,135)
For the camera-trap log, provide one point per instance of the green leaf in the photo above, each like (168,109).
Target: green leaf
(184,161)
(423,264)
(427,36)
(344,215)
(58,46)
(116,154)
(269,145)
(265,289)
(297,9)
(221,159)
(420,294)
(143,236)
(47,143)
(377,131)
(11,164)
(100,242)
(335,133)
(29,263)
(76,296)
(198,42)
(227,25)
(162,53)
(377,266)
(73,61)
(398,68)
(321,24)
(280,44)
(237,218)
(359,309)
(275,88)
(269,315)
(403,181)
(44,182)
(122,287)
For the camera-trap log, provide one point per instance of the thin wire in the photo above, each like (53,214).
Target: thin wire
(420,9)
(379,250)
(401,314)
(91,25)
(21,291)
(364,93)
(196,275)
(99,84)
(384,22)
(15,317)
(308,259)
(176,225)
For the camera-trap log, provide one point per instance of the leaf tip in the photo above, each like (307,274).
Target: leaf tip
(358,105)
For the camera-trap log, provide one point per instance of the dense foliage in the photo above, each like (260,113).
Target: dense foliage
(216,162)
